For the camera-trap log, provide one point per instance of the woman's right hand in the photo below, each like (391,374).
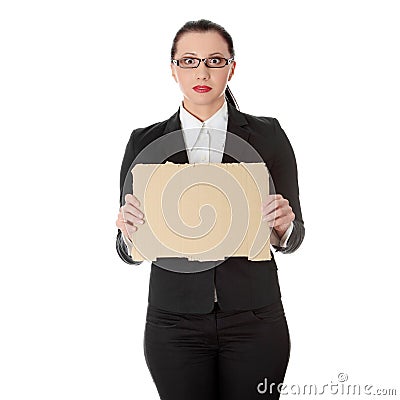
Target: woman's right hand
(129,215)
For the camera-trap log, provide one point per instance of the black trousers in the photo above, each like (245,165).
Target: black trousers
(238,355)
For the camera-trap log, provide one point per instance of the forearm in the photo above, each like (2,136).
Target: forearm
(123,251)
(295,239)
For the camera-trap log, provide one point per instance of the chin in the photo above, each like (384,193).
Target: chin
(204,101)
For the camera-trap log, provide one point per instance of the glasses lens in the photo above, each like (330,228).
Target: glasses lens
(216,62)
(188,62)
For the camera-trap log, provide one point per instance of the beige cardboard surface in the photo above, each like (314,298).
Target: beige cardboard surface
(203,212)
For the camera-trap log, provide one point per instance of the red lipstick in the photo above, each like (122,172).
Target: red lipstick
(202,89)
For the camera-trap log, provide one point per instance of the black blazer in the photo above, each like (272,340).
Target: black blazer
(241,284)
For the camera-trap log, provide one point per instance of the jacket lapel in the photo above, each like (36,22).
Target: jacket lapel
(237,125)
(175,150)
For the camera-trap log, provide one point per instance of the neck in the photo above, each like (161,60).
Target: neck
(203,111)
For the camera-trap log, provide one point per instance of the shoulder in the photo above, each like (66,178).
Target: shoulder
(263,125)
(268,131)
(269,121)
(146,134)
(138,133)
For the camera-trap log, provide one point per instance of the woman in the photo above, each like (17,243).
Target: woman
(221,333)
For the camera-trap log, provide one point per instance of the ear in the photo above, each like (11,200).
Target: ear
(232,71)
(172,65)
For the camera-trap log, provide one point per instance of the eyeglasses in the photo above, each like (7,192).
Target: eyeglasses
(193,62)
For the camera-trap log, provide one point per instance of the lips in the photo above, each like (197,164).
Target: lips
(202,89)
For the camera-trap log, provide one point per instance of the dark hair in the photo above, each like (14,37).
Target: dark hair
(204,25)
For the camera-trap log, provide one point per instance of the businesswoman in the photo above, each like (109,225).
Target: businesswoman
(220,333)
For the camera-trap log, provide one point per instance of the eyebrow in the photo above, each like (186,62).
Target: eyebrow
(195,54)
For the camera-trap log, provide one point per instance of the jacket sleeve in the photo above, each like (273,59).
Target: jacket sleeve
(125,184)
(285,177)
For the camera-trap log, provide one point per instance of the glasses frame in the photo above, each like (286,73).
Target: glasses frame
(204,60)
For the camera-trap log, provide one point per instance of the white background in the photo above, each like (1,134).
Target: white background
(74,84)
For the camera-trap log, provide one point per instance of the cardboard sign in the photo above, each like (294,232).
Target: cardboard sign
(203,212)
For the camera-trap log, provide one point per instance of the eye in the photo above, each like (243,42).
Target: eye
(215,60)
(188,61)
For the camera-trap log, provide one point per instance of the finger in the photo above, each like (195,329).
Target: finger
(131,229)
(272,197)
(129,219)
(275,205)
(125,218)
(272,215)
(270,200)
(282,210)
(130,198)
(282,221)
(127,227)
(122,226)
(267,200)
(128,210)
(283,218)
(279,206)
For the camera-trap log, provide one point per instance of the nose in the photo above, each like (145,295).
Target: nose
(202,72)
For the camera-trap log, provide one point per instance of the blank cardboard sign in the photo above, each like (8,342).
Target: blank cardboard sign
(203,212)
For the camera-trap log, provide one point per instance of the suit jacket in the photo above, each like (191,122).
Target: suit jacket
(241,284)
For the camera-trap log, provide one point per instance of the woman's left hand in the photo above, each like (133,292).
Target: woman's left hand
(278,213)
